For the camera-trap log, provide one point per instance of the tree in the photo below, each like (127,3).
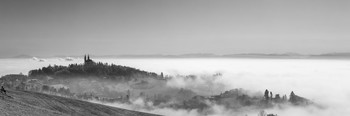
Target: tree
(45,88)
(266,95)
(292,97)
(278,98)
(161,75)
(271,95)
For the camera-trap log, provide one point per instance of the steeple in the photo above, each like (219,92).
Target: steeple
(87,59)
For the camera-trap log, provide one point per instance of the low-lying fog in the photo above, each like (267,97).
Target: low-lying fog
(326,82)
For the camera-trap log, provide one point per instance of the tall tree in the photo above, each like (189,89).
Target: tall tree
(266,95)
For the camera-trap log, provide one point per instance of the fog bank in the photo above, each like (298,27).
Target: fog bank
(323,81)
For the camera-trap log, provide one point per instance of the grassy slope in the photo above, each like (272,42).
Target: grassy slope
(38,104)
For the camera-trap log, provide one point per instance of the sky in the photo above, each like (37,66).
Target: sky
(114,27)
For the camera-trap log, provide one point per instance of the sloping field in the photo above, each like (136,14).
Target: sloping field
(25,103)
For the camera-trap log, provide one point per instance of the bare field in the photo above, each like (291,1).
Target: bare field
(24,103)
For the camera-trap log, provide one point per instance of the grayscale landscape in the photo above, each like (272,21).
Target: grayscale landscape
(174,58)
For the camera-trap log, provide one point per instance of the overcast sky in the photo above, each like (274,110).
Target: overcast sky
(101,27)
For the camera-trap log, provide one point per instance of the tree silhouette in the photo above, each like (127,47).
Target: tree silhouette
(271,95)
(266,95)
(292,97)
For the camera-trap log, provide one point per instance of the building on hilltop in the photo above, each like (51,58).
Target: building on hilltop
(87,60)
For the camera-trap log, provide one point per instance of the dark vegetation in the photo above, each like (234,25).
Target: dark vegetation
(238,99)
(99,70)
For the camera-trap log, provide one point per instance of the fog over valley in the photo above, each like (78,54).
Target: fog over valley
(323,81)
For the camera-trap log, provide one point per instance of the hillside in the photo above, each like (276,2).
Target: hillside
(25,103)
(92,69)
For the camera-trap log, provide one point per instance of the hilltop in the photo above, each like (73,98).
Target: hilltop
(28,103)
(92,69)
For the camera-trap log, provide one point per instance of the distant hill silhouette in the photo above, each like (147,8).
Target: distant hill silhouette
(22,56)
(100,70)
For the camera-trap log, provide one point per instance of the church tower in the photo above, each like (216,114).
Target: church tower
(87,59)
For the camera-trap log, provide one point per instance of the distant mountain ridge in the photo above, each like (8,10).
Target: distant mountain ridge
(22,56)
(210,55)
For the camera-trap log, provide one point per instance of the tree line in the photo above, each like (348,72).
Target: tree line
(110,71)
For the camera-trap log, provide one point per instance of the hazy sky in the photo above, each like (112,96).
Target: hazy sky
(75,27)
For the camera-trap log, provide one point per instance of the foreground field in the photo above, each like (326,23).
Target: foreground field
(25,103)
